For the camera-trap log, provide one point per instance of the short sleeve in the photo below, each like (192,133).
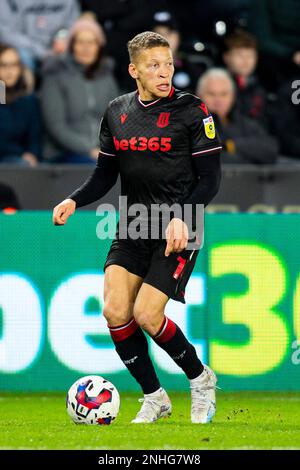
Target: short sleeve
(106,140)
(204,139)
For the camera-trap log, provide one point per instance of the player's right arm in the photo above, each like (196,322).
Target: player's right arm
(98,184)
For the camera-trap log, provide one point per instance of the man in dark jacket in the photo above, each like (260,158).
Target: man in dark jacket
(244,139)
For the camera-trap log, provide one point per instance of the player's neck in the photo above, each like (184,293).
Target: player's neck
(145,95)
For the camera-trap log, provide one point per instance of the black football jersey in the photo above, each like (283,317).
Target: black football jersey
(155,144)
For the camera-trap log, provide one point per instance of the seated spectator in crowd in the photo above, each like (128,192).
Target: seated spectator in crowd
(20,121)
(60,40)
(30,25)
(240,58)
(186,74)
(75,92)
(244,139)
(275,24)
(287,118)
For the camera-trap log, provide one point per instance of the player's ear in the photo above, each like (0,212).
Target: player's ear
(132,71)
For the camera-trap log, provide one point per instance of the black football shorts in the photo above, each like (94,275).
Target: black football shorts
(146,258)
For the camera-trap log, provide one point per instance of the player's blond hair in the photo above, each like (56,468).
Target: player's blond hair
(145,40)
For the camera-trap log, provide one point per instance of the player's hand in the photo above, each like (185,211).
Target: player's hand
(62,211)
(177,236)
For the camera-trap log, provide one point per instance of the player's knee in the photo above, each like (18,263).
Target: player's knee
(116,313)
(148,321)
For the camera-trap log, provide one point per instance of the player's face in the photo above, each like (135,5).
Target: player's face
(153,72)
(218,95)
(241,61)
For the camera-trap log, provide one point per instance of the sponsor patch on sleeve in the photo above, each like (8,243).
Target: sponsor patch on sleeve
(209,127)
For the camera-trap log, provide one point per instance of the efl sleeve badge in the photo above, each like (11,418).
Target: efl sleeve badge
(209,127)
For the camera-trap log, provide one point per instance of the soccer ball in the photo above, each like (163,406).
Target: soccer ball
(93,400)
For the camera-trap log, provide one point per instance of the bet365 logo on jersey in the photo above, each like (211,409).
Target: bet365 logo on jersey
(142,143)
(209,127)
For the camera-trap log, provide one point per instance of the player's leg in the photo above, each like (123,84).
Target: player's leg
(156,404)
(149,313)
(120,290)
(167,278)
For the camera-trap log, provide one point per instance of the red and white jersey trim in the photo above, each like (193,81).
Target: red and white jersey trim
(110,154)
(149,104)
(156,101)
(208,150)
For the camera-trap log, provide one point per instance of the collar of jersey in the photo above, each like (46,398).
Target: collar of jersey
(143,105)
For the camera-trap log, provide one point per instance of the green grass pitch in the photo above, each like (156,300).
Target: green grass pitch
(247,420)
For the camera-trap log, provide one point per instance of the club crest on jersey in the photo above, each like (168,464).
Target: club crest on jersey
(123,118)
(163,120)
(209,127)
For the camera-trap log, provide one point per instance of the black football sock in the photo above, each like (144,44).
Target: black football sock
(132,346)
(172,340)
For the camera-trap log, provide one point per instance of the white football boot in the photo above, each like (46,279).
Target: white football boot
(203,395)
(156,405)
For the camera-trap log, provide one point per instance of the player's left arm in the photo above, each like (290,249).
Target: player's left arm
(208,172)
(205,147)
(205,152)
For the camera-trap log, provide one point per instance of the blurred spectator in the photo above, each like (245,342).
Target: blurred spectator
(287,118)
(30,25)
(75,92)
(240,57)
(275,24)
(59,43)
(20,130)
(186,73)
(244,140)
(60,39)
